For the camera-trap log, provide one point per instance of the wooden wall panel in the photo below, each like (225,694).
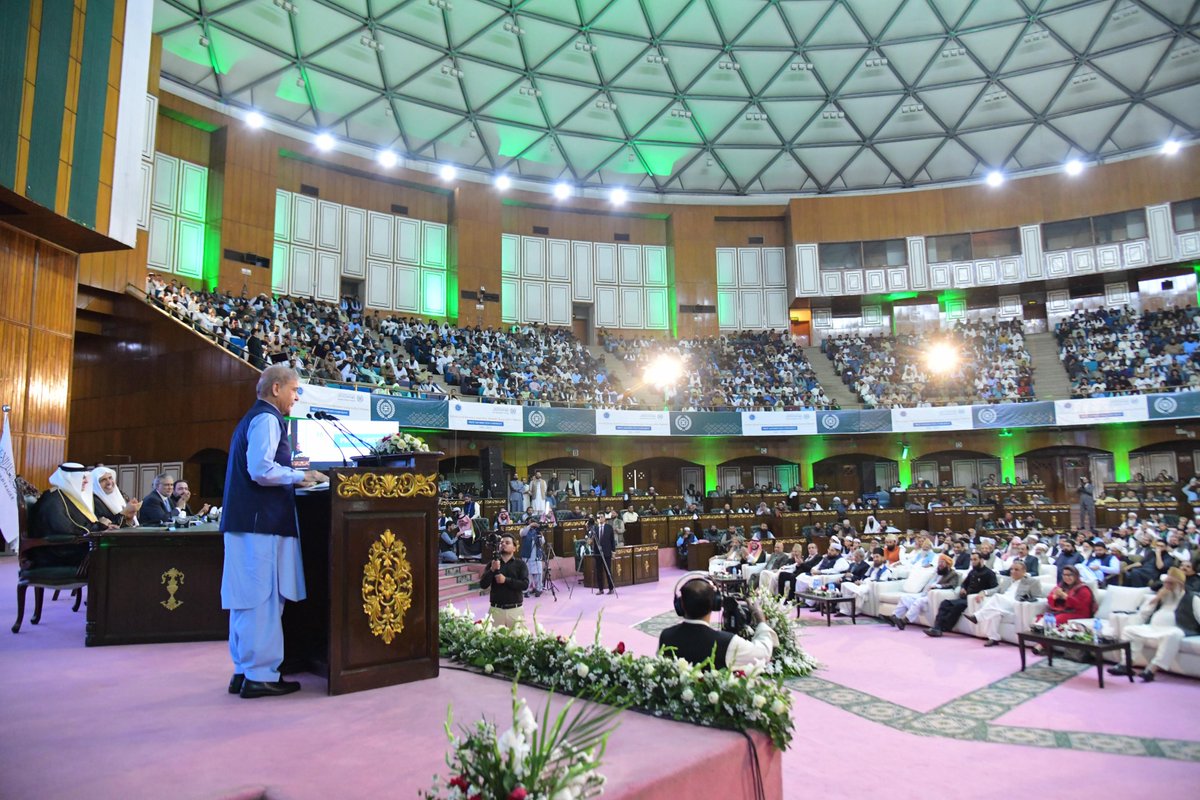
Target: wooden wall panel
(584,225)
(56,277)
(737,233)
(179,139)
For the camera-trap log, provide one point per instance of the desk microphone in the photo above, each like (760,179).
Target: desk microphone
(337,423)
(313,416)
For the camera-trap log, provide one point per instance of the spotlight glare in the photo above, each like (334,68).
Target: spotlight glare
(941,358)
(255,119)
(562,191)
(664,371)
(995,178)
(448,173)
(387,159)
(1073,167)
(618,197)
(324,142)
(1170,147)
(503,182)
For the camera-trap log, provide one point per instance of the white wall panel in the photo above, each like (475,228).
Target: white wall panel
(658,312)
(1116,295)
(897,279)
(1083,260)
(161,241)
(189,247)
(329,278)
(1031,250)
(283,215)
(1058,301)
(149,127)
(433,292)
(605,262)
(607,315)
(433,244)
(831,282)
(1188,244)
(581,271)
(875,280)
(407,241)
(379,282)
(533,257)
(1108,257)
(775,308)
(1162,234)
(774,267)
(939,276)
(304,220)
(279,267)
(631,307)
(558,259)
(510,254)
(193,190)
(1137,254)
(918,269)
(630,265)
(354,242)
(749,266)
(987,273)
(727,266)
(750,309)
(379,236)
(807,272)
(302,272)
(329,225)
(852,281)
(558,304)
(146,176)
(1058,264)
(1010,306)
(166,183)
(510,299)
(963,273)
(727,309)
(654,264)
(1010,270)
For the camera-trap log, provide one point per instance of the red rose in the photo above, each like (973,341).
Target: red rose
(737,673)
(460,782)
(517,793)
(619,649)
(478,622)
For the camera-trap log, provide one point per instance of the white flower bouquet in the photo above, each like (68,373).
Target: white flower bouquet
(395,443)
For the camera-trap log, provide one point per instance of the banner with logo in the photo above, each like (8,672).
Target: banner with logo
(494,417)
(935,418)
(560,420)
(342,403)
(1099,410)
(706,423)
(779,423)
(1014,415)
(612,422)
(409,412)
(870,421)
(1171,406)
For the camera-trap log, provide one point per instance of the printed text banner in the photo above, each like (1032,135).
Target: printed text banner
(466,416)
(1014,415)
(938,418)
(778,423)
(1173,406)
(340,403)
(612,422)
(560,420)
(1098,410)
(712,423)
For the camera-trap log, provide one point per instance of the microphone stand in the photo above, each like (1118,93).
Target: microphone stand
(604,563)
(332,438)
(359,443)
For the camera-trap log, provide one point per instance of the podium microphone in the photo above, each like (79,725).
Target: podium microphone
(332,438)
(337,423)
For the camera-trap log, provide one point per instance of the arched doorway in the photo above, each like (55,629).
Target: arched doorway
(856,472)
(747,472)
(963,468)
(565,466)
(668,475)
(1178,459)
(1060,468)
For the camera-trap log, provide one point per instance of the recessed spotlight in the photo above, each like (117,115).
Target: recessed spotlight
(448,172)
(387,159)
(1170,147)
(502,182)
(995,178)
(618,197)
(255,119)
(1073,167)
(562,191)
(324,142)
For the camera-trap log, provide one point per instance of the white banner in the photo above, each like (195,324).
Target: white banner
(497,417)
(778,423)
(1094,410)
(341,403)
(613,422)
(8,487)
(940,418)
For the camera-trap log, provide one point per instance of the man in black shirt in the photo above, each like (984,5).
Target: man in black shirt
(980,579)
(507,578)
(695,641)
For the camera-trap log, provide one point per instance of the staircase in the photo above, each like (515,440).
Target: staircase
(1050,381)
(630,382)
(458,582)
(831,382)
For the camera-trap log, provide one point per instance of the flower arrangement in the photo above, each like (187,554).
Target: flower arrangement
(550,761)
(788,660)
(401,442)
(662,685)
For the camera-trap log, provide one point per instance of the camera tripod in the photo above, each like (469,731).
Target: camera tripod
(596,551)
(548,557)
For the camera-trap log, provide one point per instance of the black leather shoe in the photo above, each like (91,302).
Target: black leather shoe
(934,632)
(991,643)
(901,623)
(1146,675)
(889,619)
(1119,669)
(251,689)
(971,619)
(235,683)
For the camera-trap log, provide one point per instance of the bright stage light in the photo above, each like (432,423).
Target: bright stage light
(324,142)
(502,182)
(448,172)
(255,119)
(941,358)
(1073,167)
(664,371)
(618,197)
(562,191)
(995,178)
(387,159)
(1170,147)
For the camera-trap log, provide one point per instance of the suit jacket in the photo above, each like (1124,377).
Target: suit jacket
(155,510)
(1030,587)
(606,539)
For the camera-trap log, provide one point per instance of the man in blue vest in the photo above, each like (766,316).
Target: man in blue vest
(262,545)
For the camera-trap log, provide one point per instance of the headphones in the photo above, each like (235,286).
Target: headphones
(688,578)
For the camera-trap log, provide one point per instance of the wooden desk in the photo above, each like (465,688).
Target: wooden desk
(699,555)
(150,585)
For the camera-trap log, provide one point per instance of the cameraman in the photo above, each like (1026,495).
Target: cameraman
(694,639)
(1087,504)
(532,546)
(507,578)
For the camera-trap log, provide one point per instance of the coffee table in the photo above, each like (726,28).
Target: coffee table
(826,605)
(1096,649)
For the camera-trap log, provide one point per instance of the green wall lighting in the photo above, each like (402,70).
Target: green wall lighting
(1005,433)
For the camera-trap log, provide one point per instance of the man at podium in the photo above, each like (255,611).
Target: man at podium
(262,545)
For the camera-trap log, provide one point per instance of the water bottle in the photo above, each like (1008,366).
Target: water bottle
(1049,620)
(1097,627)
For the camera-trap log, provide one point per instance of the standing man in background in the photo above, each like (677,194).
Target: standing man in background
(604,544)
(262,544)
(1087,504)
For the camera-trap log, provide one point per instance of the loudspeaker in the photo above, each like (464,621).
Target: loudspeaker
(491,470)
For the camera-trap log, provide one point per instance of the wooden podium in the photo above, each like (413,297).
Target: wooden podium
(370,564)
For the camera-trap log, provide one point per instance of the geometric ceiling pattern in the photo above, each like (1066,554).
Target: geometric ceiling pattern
(720,97)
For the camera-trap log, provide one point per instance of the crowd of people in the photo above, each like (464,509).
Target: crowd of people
(1113,351)
(343,343)
(983,362)
(744,371)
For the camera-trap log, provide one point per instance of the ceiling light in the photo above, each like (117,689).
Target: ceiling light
(387,159)
(606,105)
(995,96)
(877,62)
(585,46)
(285,5)
(995,178)
(681,113)
(502,182)
(1073,167)
(912,108)
(1035,35)
(368,41)
(562,191)
(203,41)
(733,65)
(448,172)
(657,59)
(618,197)
(833,113)
(530,91)
(442,4)
(324,142)
(1170,147)
(954,52)
(255,119)
(451,68)
(801,66)
(756,116)
(513,27)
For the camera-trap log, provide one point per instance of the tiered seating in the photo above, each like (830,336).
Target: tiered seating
(746,371)
(992,366)
(340,343)
(1108,351)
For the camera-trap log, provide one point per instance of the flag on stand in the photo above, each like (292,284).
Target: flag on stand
(8,486)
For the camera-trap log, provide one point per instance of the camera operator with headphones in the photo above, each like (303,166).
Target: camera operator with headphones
(694,640)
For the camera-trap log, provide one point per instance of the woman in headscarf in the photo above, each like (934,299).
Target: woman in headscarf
(111,503)
(1071,598)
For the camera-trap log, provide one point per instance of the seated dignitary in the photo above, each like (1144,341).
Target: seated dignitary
(878,570)
(910,606)
(759,560)
(180,495)
(768,579)
(1071,598)
(995,609)
(696,641)
(62,512)
(828,570)
(157,507)
(1166,617)
(110,503)
(786,583)
(978,580)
